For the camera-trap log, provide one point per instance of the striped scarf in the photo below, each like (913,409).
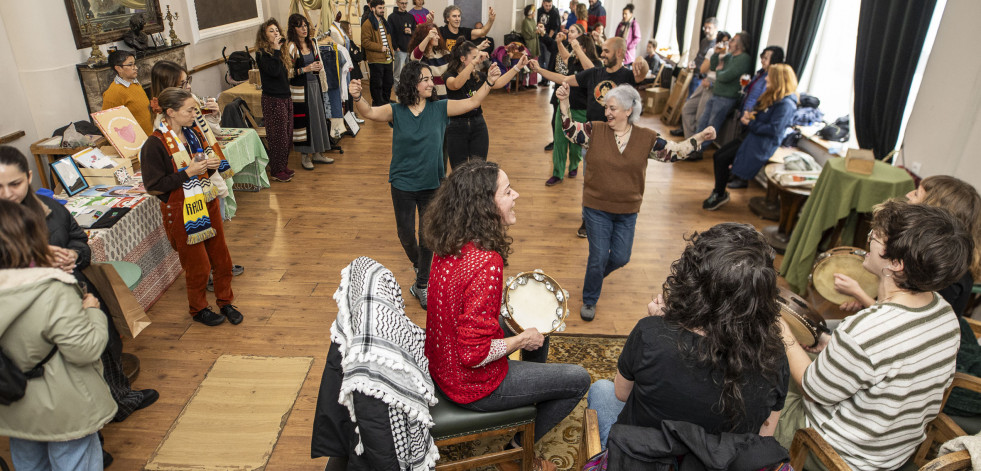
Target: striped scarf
(197,191)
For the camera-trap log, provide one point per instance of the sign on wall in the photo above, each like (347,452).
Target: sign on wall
(210,18)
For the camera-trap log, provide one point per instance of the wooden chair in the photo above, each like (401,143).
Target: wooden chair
(454,424)
(260,130)
(939,430)
(679,94)
(957,461)
(589,444)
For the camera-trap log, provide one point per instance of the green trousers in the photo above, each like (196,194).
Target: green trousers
(563,146)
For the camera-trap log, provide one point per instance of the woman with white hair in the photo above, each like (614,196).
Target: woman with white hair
(617,153)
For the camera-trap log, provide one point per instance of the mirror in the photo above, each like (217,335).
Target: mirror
(113,16)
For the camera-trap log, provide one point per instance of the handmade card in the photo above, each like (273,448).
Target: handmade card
(122,130)
(68,175)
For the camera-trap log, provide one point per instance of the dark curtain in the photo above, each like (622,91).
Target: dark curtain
(680,22)
(890,39)
(711,9)
(753,12)
(657,18)
(803,29)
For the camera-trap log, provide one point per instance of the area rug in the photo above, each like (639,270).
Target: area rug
(234,419)
(598,354)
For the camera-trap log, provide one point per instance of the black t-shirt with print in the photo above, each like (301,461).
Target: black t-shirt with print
(466,91)
(451,38)
(596,82)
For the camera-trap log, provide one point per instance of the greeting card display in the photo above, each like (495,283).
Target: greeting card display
(122,130)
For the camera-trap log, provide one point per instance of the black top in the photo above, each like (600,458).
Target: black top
(401,22)
(551,20)
(596,82)
(451,39)
(272,72)
(64,232)
(577,95)
(466,91)
(669,386)
(958,294)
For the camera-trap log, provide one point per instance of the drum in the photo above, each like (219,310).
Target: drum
(534,299)
(805,324)
(844,260)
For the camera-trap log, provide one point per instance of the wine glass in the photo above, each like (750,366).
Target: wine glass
(744,80)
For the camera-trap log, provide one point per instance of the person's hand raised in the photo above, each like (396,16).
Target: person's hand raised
(493,73)
(490,14)
(708,134)
(562,93)
(354,88)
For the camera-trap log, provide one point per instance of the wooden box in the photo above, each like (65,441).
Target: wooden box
(656,98)
(860,161)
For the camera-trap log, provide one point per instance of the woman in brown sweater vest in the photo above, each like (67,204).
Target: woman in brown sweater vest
(616,156)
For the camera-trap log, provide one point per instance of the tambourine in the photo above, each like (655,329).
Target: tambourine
(806,325)
(534,299)
(847,261)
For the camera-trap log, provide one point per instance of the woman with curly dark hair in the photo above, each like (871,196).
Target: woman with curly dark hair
(418,124)
(710,351)
(467,349)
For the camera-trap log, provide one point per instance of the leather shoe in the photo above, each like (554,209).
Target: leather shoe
(106,459)
(149,397)
(208,317)
(550,146)
(677,132)
(232,314)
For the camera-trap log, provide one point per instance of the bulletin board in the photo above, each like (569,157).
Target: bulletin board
(210,18)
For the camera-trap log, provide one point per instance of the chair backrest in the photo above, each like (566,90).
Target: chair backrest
(957,461)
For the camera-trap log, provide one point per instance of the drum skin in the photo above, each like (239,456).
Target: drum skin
(847,261)
(805,324)
(534,299)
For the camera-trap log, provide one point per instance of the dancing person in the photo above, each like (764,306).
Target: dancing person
(617,152)
(583,57)
(428,47)
(465,344)
(277,105)
(772,114)
(452,32)
(55,333)
(548,17)
(629,30)
(466,135)
(717,318)
(122,93)
(881,375)
(420,13)
(70,246)
(418,123)
(309,83)
(176,162)
(377,44)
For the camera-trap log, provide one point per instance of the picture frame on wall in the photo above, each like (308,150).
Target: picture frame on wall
(113,17)
(68,174)
(211,18)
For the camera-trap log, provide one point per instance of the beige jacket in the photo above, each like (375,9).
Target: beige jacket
(42,307)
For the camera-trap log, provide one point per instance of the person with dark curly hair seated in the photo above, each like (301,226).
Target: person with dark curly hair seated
(418,123)
(709,353)
(465,343)
(880,376)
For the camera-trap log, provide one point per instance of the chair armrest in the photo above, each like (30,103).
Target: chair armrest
(959,460)
(965,381)
(806,441)
(975,326)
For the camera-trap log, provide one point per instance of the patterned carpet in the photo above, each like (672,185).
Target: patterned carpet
(598,354)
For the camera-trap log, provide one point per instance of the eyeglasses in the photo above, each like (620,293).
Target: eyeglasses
(870,238)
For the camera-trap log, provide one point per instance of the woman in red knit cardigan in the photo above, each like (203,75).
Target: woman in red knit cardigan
(466,346)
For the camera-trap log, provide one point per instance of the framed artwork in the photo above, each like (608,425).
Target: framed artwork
(210,18)
(122,130)
(113,16)
(67,173)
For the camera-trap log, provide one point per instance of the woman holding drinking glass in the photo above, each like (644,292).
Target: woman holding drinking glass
(307,82)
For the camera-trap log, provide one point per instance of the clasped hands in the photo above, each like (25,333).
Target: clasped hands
(63,259)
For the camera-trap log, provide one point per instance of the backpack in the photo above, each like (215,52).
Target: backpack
(837,131)
(13,381)
(239,64)
(513,37)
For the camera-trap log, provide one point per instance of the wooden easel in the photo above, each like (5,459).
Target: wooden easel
(679,94)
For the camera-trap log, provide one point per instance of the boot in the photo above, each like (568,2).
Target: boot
(305,162)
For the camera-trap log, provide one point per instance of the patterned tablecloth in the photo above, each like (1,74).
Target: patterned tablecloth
(138,237)
(248,159)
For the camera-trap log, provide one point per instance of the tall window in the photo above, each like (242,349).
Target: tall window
(730,16)
(829,73)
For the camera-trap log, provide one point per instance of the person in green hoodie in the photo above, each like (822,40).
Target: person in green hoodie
(725,92)
(55,425)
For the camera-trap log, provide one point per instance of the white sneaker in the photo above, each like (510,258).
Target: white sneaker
(305,162)
(322,159)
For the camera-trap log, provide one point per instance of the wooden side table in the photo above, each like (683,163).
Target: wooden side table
(791,201)
(45,155)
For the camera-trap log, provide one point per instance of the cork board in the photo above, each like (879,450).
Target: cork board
(215,13)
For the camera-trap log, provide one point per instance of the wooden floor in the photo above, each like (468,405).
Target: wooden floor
(294,239)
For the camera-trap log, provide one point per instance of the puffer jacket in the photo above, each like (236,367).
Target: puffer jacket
(42,308)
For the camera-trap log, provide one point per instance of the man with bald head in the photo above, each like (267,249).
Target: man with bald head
(600,79)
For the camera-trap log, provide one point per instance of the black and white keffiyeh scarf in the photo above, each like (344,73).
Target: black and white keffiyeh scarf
(383,357)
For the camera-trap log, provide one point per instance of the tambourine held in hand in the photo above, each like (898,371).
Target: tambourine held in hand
(534,299)
(806,325)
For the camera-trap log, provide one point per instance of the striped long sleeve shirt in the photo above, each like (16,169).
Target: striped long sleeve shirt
(880,380)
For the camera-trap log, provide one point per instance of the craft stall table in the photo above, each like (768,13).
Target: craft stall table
(246,91)
(837,195)
(248,158)
(48,150)
(137,237)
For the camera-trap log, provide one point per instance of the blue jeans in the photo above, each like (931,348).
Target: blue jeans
(83,454)
(400,59)
(611,238)
(553,388)
(603,399)
(715,113)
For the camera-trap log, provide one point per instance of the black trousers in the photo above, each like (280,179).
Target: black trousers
(407,204)
(724,157)
(466,138)
(382,80)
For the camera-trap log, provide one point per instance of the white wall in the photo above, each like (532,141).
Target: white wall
(944,130)
(18,116)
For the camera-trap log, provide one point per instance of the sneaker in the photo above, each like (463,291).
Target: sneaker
(588,312)
(281,177)
(553,180)
(208,317)
(573,173)
(358,120)
(737,183)
(582,231)
(237,270)
(550,146)
(420,294)
(232,314)
(677,132)
(305,162)
(322,159)
(290,172)
(715,201)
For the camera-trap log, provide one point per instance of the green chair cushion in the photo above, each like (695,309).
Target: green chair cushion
(454,421)
(129,272)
